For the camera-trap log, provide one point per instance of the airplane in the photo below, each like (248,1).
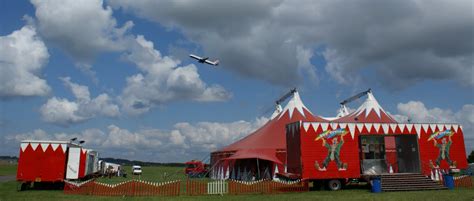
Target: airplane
(204,60)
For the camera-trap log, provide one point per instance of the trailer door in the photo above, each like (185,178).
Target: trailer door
(407,154)
(72,171)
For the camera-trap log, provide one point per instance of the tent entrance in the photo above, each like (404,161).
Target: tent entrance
(251,169)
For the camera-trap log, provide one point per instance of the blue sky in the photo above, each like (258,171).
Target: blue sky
(418,63)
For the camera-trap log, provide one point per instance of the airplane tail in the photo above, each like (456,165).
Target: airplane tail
(216,62)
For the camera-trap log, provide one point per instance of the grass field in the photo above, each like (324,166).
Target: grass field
(6,169)
(8,191)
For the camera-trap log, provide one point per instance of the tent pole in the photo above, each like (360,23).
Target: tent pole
(258,169)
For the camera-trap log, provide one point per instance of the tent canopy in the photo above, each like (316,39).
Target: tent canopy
(264,154)
(369,112)
(273,134)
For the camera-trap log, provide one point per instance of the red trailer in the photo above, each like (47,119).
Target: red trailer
(338,152)
(51,162)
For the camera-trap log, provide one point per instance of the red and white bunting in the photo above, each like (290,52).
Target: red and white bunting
(34,146)
(402,127)
(377,127)
(368,126)
(306,126)
(418,129)
(425,127)
(385,128)
(352,130)
(64,147)
(433,127)
(409,127)
(315,126)
(23,146)
(54,146)
(44,146)
(393,127)
(342,125)
(455,127)
(324,126)
(360,127)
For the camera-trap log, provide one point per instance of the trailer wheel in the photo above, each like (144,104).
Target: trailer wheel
(334,185)
(22,186)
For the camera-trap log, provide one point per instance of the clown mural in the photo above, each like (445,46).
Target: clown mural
(443,147)
(336,140)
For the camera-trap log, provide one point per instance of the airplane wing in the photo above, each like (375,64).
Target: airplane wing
(195,57)
(214,63)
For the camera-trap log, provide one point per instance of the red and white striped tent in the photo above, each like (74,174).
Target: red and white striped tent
(267,144)
(369,112)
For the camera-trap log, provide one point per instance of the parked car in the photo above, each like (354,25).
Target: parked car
(136,170)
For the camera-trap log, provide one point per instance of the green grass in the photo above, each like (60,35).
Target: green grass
(157,174)
(6,169)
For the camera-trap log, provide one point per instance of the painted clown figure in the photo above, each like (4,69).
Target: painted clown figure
(443,148)
(334,149)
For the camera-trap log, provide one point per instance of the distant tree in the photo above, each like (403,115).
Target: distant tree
(470,158)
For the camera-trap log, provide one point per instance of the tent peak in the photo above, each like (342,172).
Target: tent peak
(370,104)
(293,104)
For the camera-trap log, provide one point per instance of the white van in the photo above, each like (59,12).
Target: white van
(136,170)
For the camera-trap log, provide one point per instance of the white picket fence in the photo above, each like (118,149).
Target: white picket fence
(218,187)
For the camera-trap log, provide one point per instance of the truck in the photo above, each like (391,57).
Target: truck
(334,154)
(44,163)
(196,168)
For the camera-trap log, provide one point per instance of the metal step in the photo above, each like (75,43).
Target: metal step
(409,182)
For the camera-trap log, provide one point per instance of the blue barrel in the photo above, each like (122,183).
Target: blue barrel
(376,185)
(448,181)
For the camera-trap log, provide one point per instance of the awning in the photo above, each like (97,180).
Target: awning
(264,154)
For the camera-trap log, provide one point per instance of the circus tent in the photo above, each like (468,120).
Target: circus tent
(266,146)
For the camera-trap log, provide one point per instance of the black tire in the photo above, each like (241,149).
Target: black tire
(334,185)
(21,187)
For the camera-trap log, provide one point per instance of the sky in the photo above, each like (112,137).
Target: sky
(117,73)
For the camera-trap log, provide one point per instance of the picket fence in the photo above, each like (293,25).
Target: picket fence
(127,188)
(236,187)
(463,181)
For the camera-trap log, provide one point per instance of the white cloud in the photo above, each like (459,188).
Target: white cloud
(83,28)
(22,57)
(86,28)
(163,80)
(63,112)
(60,111)
(185,141)
(417,112)
(402,42)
